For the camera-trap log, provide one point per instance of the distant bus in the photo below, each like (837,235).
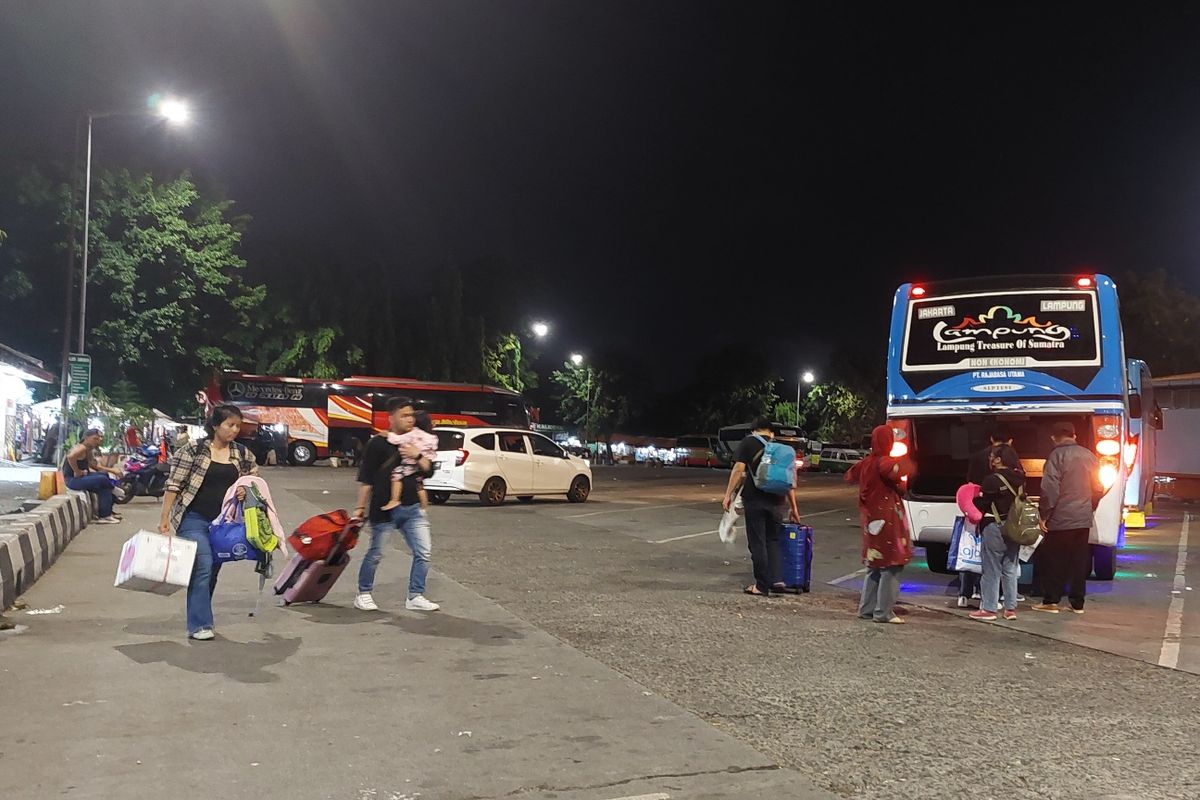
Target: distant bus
(731,436)
(325,417)
(1023,351)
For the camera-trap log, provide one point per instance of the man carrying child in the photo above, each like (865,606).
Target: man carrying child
(407,462)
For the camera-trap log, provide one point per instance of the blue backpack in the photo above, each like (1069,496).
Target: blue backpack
(776,470)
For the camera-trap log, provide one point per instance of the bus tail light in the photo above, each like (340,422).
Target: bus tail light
(900,443)
(1107,474)
(1108,447)
(917,291)
(462,457)
(1131,449)
(1085,283)
(1106,432)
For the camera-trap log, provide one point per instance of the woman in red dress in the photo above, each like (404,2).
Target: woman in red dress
(887,545)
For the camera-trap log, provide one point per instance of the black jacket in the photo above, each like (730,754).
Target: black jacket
(995,492)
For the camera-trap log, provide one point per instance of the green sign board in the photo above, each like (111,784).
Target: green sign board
(79,367)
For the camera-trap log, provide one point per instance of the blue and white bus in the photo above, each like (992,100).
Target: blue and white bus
(1021,351)
(1141,448)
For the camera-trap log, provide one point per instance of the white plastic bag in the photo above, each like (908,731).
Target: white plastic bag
(151,562)
(727,529)
(1027,550)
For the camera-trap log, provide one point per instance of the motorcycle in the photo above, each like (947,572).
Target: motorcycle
(144,476)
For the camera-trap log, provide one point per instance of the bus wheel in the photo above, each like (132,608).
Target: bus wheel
(936,554)
(439,498)
(494,492)
(302,454)
(1104,562)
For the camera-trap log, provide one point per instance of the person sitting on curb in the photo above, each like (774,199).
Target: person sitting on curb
(83,473)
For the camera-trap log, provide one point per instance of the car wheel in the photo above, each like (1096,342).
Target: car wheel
(935,556)
(439,498)
(1104,562)
(302,454)
(525,498)
(127,491)
(494,492)
(581,487)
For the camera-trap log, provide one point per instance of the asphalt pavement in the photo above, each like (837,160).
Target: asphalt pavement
(598,651)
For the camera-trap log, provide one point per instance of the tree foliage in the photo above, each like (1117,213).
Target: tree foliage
(168,301)
(591,399)
(1159,317)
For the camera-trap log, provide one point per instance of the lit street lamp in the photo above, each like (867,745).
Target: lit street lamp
(540,330)
(806,377)
(175,112)
(577,360)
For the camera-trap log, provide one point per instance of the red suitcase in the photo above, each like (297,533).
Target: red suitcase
(308,581)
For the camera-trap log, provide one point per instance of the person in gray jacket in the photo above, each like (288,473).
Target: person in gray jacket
(1071,490)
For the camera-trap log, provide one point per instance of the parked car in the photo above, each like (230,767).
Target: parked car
(838,459)
(494,463)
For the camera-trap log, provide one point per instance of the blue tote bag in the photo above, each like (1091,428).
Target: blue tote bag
(966,548)
(227,536)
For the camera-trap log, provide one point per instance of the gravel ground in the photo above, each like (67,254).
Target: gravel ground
(940,708)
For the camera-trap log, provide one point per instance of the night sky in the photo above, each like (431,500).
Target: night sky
(666,169)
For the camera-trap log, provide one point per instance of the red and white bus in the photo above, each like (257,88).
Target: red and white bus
(326,417)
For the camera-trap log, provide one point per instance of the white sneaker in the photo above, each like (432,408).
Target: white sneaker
(107,521)
(962,602)
(419,603)
(118,493)
(203,635)
(975,595)
(364,602)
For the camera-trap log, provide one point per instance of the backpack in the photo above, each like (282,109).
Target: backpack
(259,533)
(776,470)
(1023,524)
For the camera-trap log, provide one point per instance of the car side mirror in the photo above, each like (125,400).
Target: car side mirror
(1135,406)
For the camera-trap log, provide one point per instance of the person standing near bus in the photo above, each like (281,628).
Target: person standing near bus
(887,543)
(1001,564)
(764,511)
(410,519)
(1071,491)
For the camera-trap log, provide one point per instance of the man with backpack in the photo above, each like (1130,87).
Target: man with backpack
(375,476)
(1071,491)
(766,472)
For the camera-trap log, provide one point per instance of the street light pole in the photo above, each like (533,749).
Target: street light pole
(87,205)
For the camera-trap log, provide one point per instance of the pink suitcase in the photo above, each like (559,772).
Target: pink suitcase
(305,581)
(309,581)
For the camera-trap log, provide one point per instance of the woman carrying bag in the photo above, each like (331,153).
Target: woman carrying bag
(201,474)
(1001,564)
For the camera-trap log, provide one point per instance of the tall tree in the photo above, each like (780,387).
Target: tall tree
(1159,316)
(167,299)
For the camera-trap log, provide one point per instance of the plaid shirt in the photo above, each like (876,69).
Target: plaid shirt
(188,466)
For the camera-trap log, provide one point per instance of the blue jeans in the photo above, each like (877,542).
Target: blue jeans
(414,525)
(194,528)
(99,484)
(1001,564)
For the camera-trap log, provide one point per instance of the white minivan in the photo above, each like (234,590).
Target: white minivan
(494,463)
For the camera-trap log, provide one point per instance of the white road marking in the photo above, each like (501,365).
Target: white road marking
(658,796)
(854,574)
(619,510)
(1168,656)
(685,536)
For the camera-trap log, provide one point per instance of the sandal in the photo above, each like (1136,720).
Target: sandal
(754,592)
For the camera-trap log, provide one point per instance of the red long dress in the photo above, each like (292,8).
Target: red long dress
(879,485)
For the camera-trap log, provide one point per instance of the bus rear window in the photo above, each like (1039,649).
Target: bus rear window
(1054,328)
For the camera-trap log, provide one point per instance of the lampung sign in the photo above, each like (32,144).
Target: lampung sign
(1011,330)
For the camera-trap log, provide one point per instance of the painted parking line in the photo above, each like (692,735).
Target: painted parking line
(657,796)
(1168,656)
(685,536)
(844,578)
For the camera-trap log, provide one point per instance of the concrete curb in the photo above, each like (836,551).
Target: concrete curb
(29,543)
